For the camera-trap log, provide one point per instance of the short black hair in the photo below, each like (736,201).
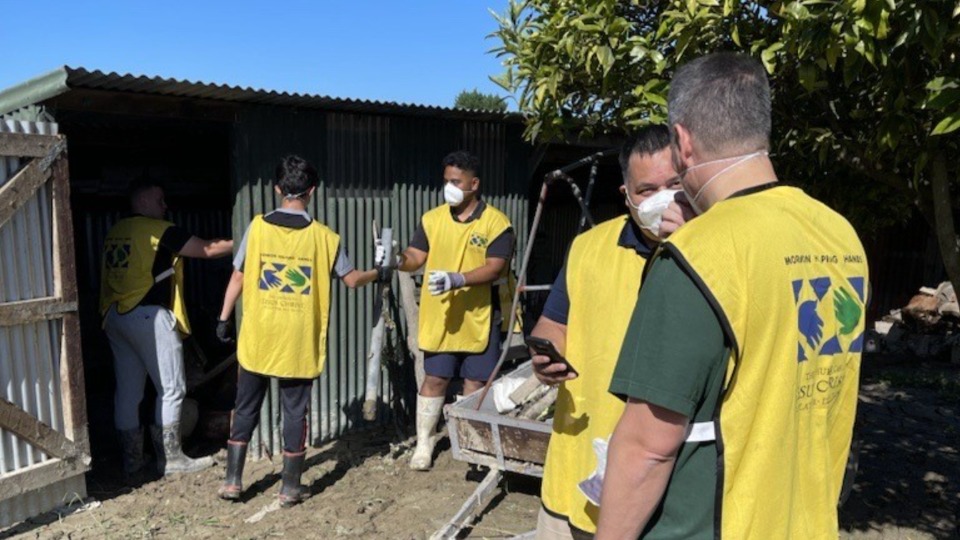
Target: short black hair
(140,184)
(295,176)
(462,160)
(646,141)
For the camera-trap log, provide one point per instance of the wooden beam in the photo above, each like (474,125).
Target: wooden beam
(25,183)
(27,427)
(65,284)
(26,144)
(19,482)
(28,311)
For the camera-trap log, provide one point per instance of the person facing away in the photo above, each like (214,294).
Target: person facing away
(284,268)
(145,320)
(750,321)
(585,317)
(466,246)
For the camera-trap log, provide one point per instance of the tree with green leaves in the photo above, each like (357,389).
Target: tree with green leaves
(866,92)
(478,101)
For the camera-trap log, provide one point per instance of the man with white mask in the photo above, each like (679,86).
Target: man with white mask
(740,365)
(466,246)
(586,317)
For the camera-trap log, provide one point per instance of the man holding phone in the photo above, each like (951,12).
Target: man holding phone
(585,319)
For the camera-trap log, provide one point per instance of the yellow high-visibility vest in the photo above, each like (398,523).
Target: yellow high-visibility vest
(789,276)
(459,320)
(286,299)
(603,279)
(126,274)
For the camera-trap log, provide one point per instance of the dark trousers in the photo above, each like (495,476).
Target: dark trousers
(294,397)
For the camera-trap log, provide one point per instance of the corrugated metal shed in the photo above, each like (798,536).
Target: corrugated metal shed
(65,78)
(377,161)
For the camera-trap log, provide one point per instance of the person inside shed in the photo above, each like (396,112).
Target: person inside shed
(286,310)
(145,320)
(466,246)
(586,316)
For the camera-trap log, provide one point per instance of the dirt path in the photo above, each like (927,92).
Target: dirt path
(907,487)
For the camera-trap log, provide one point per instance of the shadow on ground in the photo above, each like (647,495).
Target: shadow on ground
(909,463)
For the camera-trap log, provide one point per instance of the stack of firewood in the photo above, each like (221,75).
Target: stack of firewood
(928,326)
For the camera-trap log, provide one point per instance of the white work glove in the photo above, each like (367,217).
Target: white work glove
(379,254)
(380,257)
(593,485)
(439,282)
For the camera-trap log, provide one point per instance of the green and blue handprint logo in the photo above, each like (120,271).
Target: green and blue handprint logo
(285,278)
(825,331)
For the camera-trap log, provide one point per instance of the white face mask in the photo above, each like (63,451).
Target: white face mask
(454,195)
(693,198)
(649,213)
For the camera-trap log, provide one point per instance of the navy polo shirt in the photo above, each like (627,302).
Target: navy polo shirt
(557,307)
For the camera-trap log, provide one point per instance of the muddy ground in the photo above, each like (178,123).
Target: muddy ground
(907,487)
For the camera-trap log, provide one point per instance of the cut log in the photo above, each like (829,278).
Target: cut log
(529,386)
(411,311)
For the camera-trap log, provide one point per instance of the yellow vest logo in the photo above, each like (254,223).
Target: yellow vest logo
(828,321)
(285,278)
(477,240)
(116,255)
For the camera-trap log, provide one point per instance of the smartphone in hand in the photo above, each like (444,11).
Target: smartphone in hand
(544,347)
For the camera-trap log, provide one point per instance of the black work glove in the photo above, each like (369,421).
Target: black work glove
(384,274)
(225,331)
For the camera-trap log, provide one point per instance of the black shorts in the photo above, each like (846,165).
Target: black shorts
(473,366)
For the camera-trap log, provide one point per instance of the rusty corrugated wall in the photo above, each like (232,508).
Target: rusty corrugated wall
(379,167)
(30,353)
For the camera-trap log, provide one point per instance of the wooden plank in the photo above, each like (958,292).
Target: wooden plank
(27,427)
(38,309)
(25,183)
(20,145)
(16,483)
(65,283)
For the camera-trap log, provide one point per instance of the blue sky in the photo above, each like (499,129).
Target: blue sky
(408,51)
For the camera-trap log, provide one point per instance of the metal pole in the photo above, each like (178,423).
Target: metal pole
(589,195)
(528,250)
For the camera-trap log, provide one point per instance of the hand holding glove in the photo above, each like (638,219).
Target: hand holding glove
(382,258)
(439,282)
(225,332)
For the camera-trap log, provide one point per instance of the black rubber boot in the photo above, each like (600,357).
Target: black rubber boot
(291,491)
(233,484)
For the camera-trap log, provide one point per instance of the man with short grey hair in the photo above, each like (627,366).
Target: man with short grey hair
(744,431)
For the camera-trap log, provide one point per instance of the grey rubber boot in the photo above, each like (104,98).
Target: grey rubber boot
(131,446)
(233,484)
(170,456)
(292,491)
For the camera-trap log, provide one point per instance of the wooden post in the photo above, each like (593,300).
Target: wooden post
(65,282)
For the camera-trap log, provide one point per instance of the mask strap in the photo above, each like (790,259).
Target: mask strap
(292,196)
(740,159)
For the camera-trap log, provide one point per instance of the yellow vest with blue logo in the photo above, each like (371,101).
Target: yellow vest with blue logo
(789,277)
(286,299)
(603,279)
(459,320)
(126,271)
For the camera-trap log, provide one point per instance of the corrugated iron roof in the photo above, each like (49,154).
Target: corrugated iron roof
(66,78)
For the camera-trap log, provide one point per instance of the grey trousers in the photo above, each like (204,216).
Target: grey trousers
(145,342)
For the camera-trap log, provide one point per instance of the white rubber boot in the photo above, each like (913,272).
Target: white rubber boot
(428,414)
